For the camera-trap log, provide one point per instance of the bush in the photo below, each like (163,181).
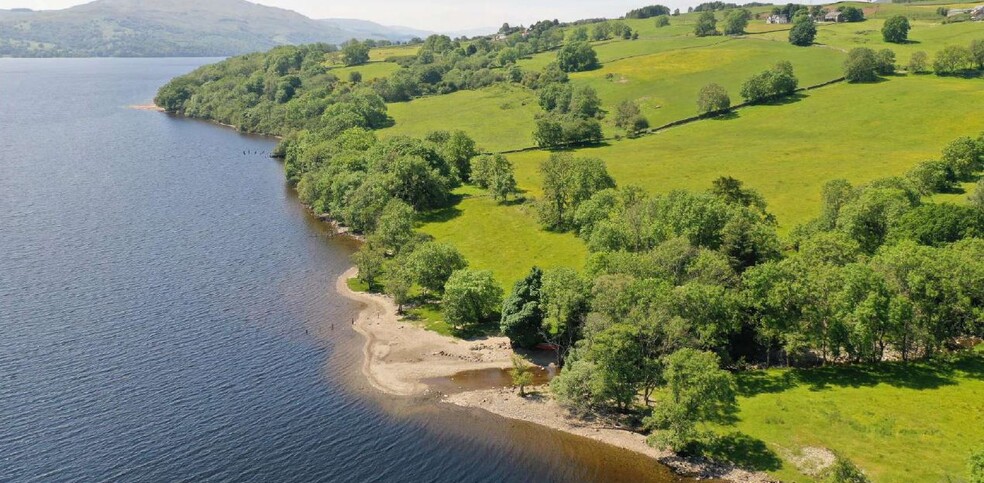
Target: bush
(976,466)
(662,21)
(629,117)
(844,471)
(712,98)
(896,30)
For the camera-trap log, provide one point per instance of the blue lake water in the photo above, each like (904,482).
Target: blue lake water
(165,311)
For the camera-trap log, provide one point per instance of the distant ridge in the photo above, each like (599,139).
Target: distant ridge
(174,28)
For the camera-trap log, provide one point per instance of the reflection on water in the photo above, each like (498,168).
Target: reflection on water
(486,379)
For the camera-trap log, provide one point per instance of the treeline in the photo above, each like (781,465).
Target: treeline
(680,283)
(293,87)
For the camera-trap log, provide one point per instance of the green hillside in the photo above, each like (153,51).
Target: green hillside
(830,221)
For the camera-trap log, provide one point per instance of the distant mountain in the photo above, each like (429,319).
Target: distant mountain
(173,28)
(372,30)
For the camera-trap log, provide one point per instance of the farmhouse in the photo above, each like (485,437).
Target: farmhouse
(834,16)
(778,19)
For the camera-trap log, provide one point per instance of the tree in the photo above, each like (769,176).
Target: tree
(885,62)
(977,53)
(662,21)
(629,117)
(601,31)
(977,198)
(918,63)
(804,31)
(369,259)
(433,263)
(577,57)
(458,149)
(697,390)
(355,77)
(355,53)
(951,60)
(861,65)
(395,226)
(522,313)
(976,466)
(470,297)
(706,25)
(844,471)
(712,98)
(399,281)
(567,182)
(736,20)
(495,173)
(579,34)
(964,157)
(565,300)
(521,374)
(896,29)
(852,14)
(773,83)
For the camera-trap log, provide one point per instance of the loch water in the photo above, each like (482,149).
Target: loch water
(166,311)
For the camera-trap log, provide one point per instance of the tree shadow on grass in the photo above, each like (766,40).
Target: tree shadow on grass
(445,214)
(727,116)
(784,100)
(742,451)
(931,374)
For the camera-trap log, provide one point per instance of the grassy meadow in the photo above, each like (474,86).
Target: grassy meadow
(787,151)
(898,422)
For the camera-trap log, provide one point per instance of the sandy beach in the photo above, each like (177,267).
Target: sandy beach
(399,356)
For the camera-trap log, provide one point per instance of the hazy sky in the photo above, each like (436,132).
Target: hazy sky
(443,15)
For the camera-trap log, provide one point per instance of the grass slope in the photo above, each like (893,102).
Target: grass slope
(915,422)
(499,118)
(787,152)
(504,238)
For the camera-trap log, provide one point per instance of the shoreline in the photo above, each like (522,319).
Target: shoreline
(399,356)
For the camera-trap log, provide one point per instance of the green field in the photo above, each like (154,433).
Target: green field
(915,422)
(499,118)
(372,70)
(787,152)
(504,238)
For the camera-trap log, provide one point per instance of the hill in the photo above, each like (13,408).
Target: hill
(830,224)
(172,28)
